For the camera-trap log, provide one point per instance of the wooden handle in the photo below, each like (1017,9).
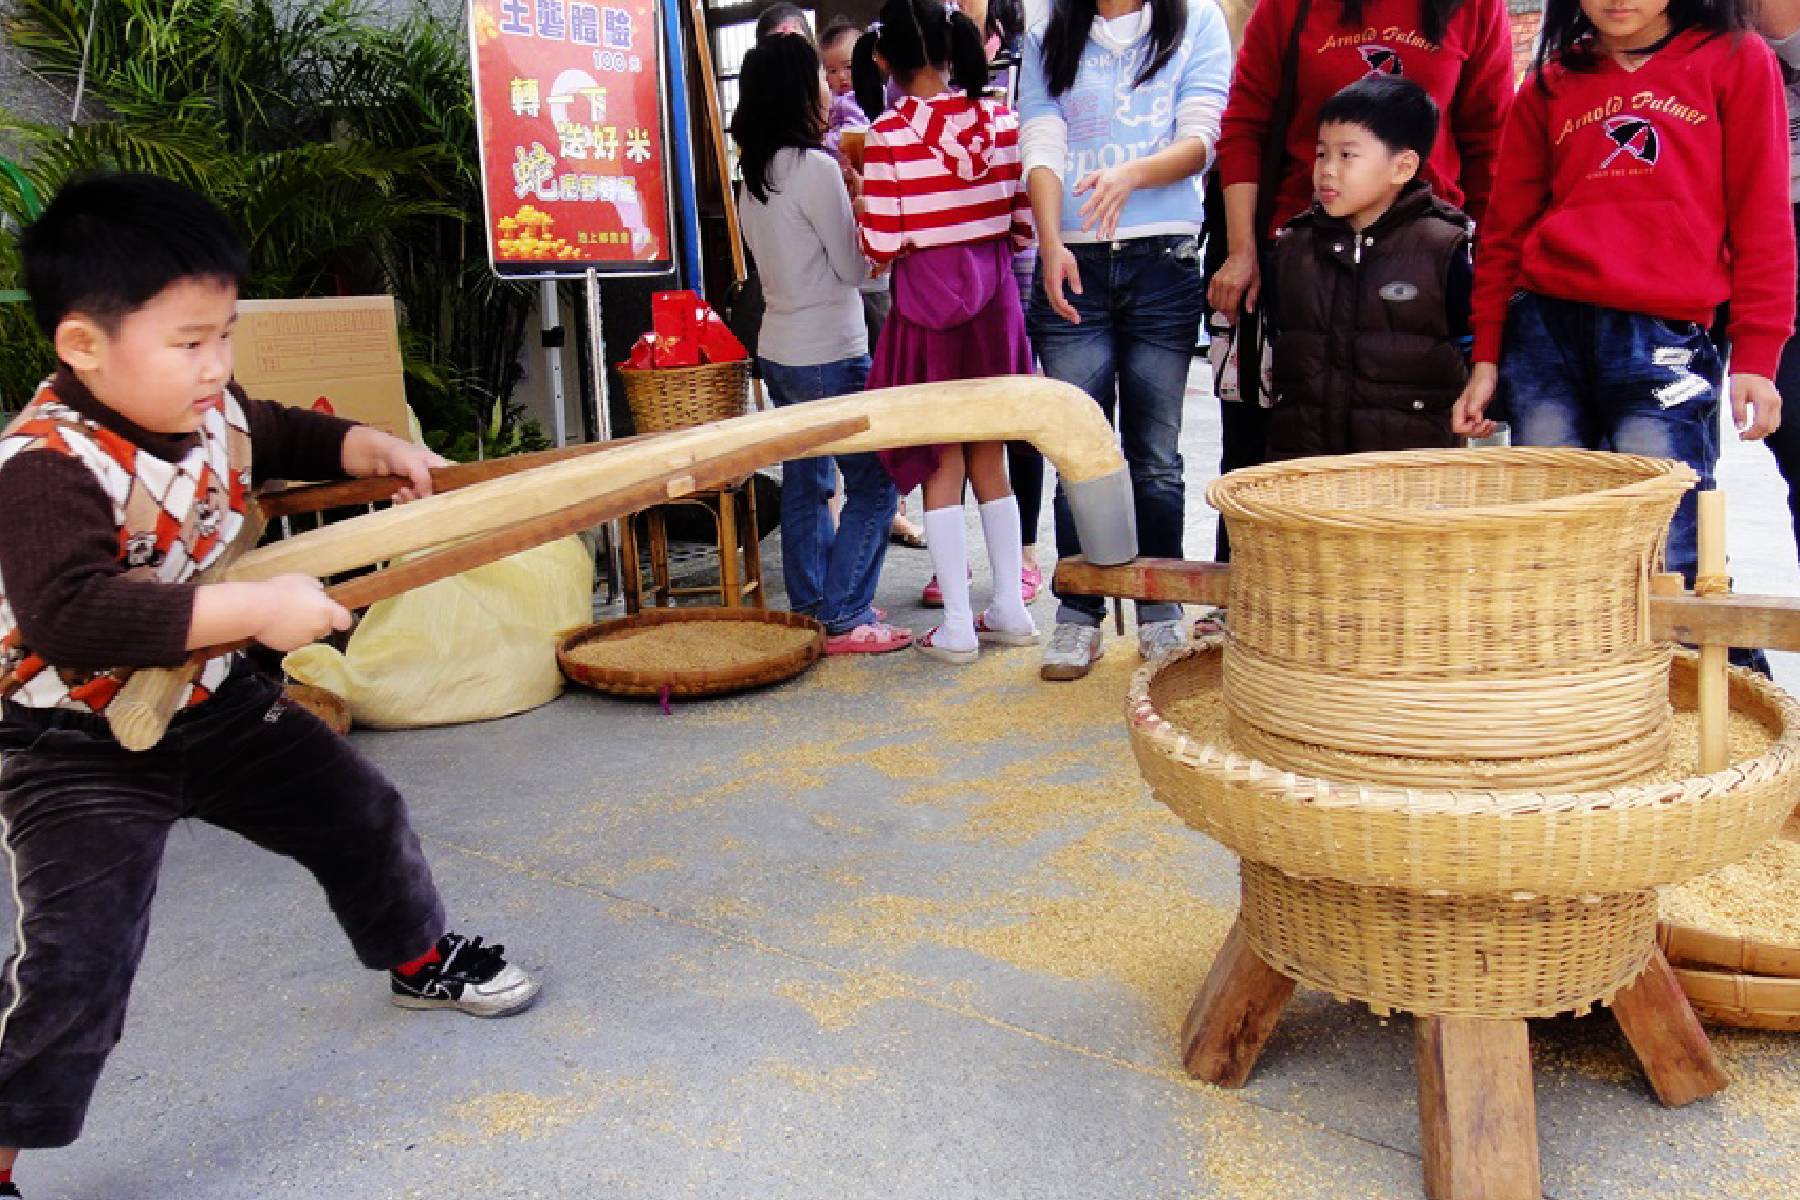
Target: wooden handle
(316,497)
(1715,702)
(140,713)
(523,535)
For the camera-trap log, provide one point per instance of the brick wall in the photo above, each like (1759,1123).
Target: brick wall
(1526,16)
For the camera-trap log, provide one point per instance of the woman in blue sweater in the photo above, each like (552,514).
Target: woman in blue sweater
(1119,104)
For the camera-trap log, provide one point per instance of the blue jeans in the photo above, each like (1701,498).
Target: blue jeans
(831,574)
(1140,309)
(1602,379)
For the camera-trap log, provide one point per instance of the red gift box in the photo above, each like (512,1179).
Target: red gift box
(685,332)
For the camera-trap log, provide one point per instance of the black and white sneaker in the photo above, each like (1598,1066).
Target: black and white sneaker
(9,1191)
(468,977)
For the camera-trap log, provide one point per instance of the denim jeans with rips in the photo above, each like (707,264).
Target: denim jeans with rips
(1140,308)
(1603,379)
(831,573)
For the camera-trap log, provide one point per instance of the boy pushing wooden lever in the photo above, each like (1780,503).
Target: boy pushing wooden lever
(128,474)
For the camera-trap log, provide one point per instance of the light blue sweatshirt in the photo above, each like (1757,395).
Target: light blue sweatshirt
(1106,119)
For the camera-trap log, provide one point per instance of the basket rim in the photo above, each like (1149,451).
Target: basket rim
(1656,479)
(1777,999)
(1462,804)
(694,681)
(742,364)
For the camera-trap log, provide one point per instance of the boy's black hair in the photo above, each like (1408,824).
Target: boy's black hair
(780,14)
(1567,36)
(913,35)
(778,106)
(109,244)
(1392,107)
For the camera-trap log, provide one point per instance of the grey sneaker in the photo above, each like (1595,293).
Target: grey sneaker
(1159,639)
(1072,651)
(468,977)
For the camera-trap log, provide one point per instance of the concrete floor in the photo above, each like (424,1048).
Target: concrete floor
(886,931)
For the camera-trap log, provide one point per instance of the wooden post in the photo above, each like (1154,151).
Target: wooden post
(1235,1014)
(1477,1112)
(1666,1036)
(1715,713)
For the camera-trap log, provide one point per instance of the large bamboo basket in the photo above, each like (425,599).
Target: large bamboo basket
(1373,594)
(651,683)
(1472,902)
(1468,841)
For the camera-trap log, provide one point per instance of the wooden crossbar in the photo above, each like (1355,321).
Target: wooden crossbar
(1768,622)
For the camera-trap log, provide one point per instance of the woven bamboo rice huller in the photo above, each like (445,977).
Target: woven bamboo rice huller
(1373,594)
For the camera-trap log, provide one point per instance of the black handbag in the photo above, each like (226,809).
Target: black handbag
(1250,330)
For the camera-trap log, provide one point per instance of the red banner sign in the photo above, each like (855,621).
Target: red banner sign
(568,99)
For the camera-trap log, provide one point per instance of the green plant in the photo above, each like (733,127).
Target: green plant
(344,148)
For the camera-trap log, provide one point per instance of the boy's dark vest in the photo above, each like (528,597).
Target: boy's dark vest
(173,519)
(1365,359)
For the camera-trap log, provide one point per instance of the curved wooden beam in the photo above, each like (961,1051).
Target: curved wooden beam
(1058,418)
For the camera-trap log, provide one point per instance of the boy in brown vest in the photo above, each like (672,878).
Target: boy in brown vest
(126,475)
(1370,287)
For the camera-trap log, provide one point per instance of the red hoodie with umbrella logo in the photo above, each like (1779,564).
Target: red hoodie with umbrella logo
(1661,191)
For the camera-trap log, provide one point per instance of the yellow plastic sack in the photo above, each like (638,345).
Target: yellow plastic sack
(469,648)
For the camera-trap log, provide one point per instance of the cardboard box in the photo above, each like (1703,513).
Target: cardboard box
(338,355)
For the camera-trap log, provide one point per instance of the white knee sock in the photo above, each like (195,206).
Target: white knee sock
(948,543)
(1000,522)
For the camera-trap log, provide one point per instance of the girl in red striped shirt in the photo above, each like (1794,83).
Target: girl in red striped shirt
(944,203)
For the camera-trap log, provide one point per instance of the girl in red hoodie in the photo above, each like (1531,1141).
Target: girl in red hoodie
(944,204)
(1642,183)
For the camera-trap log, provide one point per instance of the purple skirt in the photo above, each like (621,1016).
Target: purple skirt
(956,316)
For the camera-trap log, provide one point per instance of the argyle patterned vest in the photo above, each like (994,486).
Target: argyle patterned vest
(173,519)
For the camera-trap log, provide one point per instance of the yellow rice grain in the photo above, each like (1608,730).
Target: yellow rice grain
(691,646)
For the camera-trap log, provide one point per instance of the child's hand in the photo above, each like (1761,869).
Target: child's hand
(296,612)
(1057,262)
(1467,419)
(1237,281)
(369,451)
(1110,189)
(1755,406)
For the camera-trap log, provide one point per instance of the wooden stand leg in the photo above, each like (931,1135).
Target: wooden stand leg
(730,591)
(632,583)
(1666,1036)
(749,534)
(1477,1113)
(661,593)
(1235,1014)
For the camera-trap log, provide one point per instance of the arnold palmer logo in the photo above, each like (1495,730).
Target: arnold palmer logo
(1640,102)
(1393,35)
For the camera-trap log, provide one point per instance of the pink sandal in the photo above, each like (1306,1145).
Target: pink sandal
(1031,582)
(874,638)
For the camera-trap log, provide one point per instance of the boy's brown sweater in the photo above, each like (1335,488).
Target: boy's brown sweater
(60,552)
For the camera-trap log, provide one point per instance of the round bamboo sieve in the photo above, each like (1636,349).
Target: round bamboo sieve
(1474,840)
(1373,594)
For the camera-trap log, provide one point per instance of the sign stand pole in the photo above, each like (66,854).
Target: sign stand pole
(551,314)
(603,421)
